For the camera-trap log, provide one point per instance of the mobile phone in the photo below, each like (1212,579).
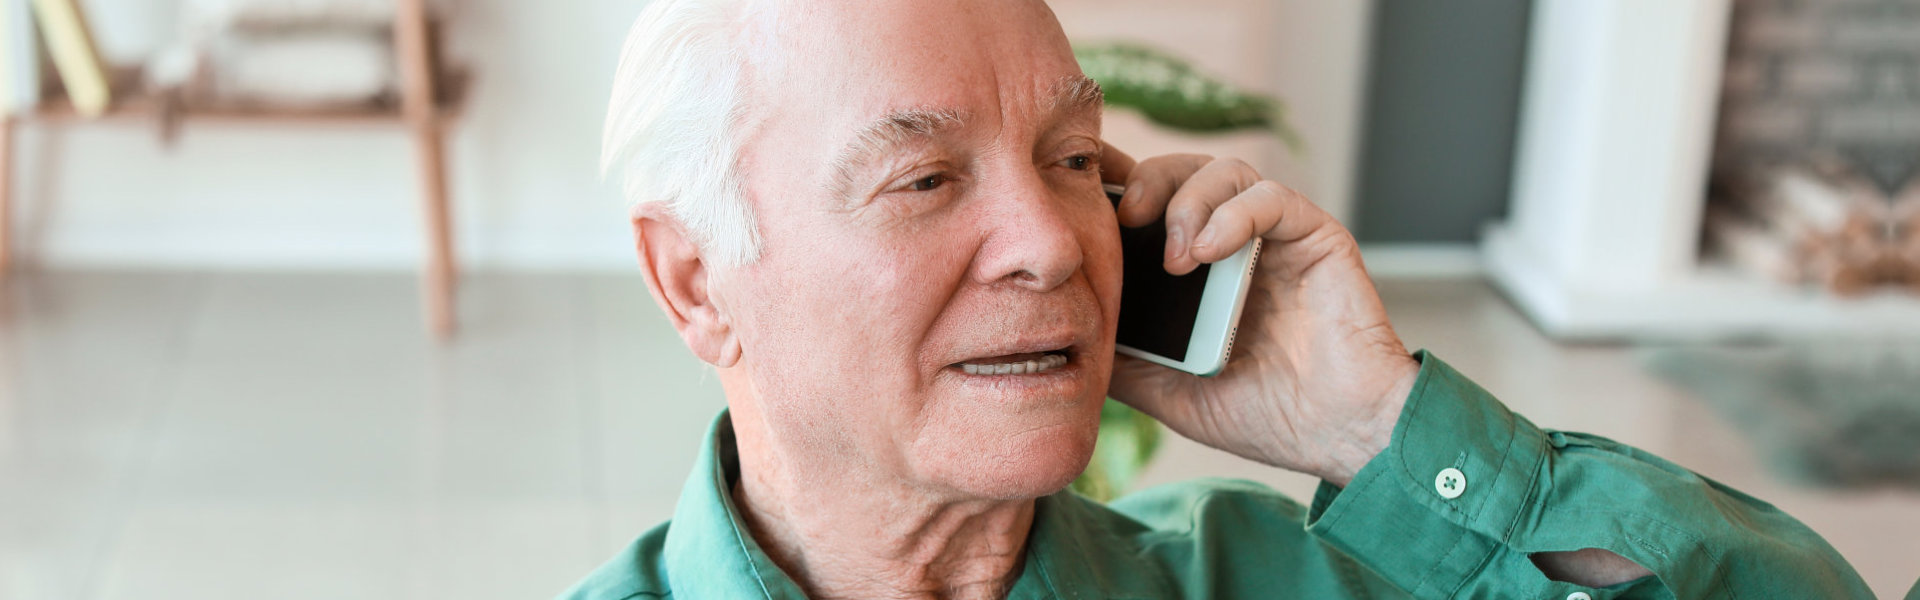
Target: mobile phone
(1186,322)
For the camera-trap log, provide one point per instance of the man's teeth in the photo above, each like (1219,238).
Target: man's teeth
(1042,364)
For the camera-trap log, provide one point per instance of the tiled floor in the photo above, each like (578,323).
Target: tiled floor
(182,435)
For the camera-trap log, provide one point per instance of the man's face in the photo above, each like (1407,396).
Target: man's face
(925,178)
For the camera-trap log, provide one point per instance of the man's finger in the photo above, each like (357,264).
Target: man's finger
(1152,184)
(1192,205)
(1267,209)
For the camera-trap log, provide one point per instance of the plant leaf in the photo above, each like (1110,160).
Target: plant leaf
(1128,441)
(1170,92)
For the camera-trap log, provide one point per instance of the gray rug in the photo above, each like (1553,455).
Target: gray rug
(1833,413)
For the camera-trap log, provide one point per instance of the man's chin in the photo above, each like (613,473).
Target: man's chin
(1028,464)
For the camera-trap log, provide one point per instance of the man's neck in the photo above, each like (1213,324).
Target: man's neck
(840,535)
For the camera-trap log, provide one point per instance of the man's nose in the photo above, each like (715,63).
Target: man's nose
(1032,241)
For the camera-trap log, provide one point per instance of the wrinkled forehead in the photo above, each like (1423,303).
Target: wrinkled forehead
(840,64)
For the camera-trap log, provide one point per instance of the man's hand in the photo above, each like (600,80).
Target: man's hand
(1317,377)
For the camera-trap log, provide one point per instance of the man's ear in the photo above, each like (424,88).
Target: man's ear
(677,277)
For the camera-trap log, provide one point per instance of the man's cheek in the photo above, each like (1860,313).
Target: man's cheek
(1104,268)
(882,308)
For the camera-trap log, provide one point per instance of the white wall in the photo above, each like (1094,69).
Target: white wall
(522,158)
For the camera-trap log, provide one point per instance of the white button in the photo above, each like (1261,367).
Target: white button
(1450,483)
(1579,596)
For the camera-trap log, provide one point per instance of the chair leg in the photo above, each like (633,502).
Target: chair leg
(440,278)
(418,103)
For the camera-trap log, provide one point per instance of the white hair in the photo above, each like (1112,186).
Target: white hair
(674,123)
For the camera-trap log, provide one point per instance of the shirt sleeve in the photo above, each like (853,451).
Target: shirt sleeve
(1467,490)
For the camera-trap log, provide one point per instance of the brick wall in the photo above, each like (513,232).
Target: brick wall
(1835,77)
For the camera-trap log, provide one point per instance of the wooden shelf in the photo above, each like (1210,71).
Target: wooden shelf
(130,104)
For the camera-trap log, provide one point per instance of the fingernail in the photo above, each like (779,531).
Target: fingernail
(1176,241)
(1205,239)
(1132,192)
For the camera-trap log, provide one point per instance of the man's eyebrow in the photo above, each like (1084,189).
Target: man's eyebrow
(898,127)
(1074,94)
(1071,96)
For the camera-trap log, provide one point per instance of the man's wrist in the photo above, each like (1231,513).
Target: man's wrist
(1369,436)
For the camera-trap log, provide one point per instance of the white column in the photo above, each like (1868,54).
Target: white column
(1611,164)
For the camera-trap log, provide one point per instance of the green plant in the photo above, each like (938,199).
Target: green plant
(1128,440)
(1172,93)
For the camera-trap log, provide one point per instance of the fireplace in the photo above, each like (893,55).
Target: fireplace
(1817,143)
(1621,119)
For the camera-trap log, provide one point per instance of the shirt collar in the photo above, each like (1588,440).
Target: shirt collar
(1082,549)
(709,552)
(1072,550)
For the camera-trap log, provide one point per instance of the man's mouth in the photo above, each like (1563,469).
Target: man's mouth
(1025,363)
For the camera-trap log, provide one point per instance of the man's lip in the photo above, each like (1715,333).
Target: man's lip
(1057,344)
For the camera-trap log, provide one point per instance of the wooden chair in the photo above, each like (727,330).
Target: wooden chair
(429,94)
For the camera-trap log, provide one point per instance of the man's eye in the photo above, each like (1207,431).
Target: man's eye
(928,183)
(1078,163)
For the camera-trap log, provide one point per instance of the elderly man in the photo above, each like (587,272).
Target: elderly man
(842,204)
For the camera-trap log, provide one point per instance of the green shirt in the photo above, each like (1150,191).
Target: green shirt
(1463,493)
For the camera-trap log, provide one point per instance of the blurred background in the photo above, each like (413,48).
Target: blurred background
(325,298)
